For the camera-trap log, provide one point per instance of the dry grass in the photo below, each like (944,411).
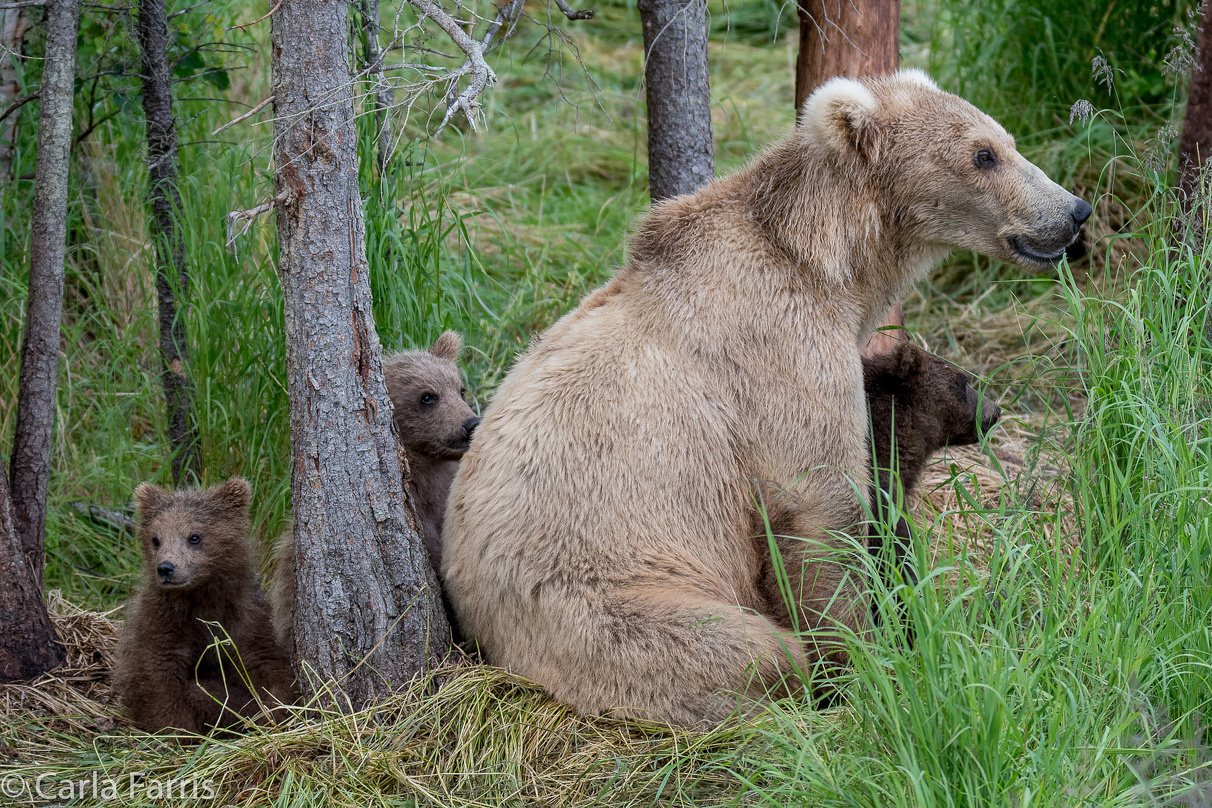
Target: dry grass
(466,735)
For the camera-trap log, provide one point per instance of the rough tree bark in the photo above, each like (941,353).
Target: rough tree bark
(12,34)
(373,59)
(172,277)
(44,307)
(678,91)
(1196,143)
(850,38)
(363,584)
(28,642)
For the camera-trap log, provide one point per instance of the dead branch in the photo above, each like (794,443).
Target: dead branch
(574,13)
(258,19)
(248,216)
(243,117)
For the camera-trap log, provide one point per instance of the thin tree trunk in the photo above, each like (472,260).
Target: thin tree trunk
(172,277)
(12,34)
(678,90)
(363,584)
(373,58)
(44,307)
(28,642)
(1196,143)
(850,38)
(845,38)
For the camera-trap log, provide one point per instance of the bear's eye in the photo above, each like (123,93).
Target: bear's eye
(428,399)
(195,539)
(462,392)
(985,158)
(155,541)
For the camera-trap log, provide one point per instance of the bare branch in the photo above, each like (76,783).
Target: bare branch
(574,13)
(482,76)
(248,216)
(258,19)
(243,117)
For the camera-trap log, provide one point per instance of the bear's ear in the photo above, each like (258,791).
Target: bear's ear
(447,346)
(910,361)
(911,75)
(150,498)
(234,494)
(840,115)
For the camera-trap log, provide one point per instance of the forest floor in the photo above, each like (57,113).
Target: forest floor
(1064,628)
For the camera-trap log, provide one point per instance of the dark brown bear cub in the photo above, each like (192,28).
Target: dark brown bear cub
(918,404)
(197,572)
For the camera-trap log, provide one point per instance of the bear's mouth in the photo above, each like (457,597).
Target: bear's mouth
(1034,254)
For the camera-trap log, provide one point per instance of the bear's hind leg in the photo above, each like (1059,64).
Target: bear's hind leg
(691,660)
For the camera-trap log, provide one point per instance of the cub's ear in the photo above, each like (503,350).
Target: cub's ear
(234,493)
(150,498)
(447,346)
(910,361)
(841,115)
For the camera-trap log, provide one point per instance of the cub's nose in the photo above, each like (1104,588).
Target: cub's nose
(1080,213)
(166,570)
(990,415)
(470,425)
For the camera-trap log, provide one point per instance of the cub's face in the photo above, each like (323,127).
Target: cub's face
(960,414)
(427,395)
(949,171)
(191,538)
(929,402)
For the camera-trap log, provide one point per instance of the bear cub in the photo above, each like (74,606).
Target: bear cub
(197,571)
(435,426)
(918,404)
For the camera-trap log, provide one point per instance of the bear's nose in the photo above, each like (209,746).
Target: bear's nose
(1080,213)
(470,425)
(166,570)
(990,415)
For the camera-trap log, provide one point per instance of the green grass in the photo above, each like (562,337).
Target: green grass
(1042,675)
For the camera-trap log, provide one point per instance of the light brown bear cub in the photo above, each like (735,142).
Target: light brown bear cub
(435,426)
(197,570)
(598,538)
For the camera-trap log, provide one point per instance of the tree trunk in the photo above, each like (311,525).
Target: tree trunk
(678,90)
(12,34)
(845,38)
(28,642)
(172,277)
(363,584)
(1196,142)
(373,59)
(44,307)
(850,38)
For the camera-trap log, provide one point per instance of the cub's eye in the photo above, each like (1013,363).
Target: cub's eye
(462,392)
(985,158)
(428,400)
(195,539)
(155,541)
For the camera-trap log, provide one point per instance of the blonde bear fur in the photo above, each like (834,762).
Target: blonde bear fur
(603,536)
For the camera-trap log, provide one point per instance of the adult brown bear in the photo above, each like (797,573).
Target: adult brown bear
(599,533)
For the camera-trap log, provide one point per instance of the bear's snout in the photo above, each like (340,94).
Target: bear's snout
(990,415)
(469,426)
(166,570)
(1080,213)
